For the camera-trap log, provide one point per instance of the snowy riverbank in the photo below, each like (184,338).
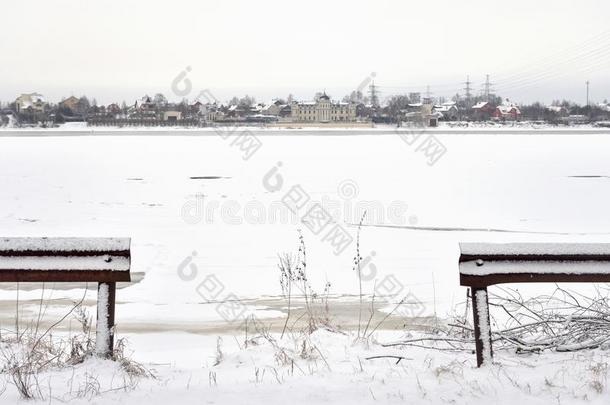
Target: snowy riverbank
(524,127)
(195,208)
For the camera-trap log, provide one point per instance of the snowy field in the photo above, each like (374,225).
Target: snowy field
(207,220)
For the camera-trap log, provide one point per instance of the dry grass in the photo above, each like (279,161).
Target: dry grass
(293,276)
(26,354)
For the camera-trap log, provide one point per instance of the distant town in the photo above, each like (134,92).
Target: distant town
(353,110)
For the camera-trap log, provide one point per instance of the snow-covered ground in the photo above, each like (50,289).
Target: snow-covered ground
(333,368)
(208,218)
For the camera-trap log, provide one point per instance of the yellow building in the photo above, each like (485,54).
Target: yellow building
(323,110)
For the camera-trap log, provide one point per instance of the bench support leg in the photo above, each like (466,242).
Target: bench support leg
(482,326)
(104,335)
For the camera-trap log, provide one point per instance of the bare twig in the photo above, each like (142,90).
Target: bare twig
(398,358)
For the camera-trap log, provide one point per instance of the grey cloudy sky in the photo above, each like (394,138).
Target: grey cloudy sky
(120,49)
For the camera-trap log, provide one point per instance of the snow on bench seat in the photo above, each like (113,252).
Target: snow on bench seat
(65,259)
(536,249)
(73,245)
(484,264)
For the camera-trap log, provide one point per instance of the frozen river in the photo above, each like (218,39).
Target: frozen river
(220,208)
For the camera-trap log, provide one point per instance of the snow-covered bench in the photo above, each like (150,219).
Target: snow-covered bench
(485,264)
(105,261)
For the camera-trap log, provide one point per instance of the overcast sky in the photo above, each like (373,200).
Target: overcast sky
(117,50)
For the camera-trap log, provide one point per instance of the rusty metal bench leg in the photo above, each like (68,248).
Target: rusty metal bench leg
(104,335)
(482,326)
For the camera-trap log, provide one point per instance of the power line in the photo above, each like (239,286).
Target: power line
(593,59)
(551,76)
(557,57)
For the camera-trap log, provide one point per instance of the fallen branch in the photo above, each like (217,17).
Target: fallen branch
(399,358)
(563,321)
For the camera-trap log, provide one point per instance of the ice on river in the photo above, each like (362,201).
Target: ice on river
(207,221)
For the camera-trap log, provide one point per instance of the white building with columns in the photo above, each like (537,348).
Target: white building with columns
(323,110)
